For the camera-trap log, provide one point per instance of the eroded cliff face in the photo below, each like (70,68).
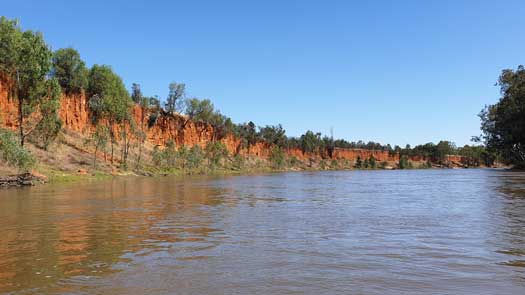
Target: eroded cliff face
(74,112)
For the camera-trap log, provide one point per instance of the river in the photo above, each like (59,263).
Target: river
(347,232)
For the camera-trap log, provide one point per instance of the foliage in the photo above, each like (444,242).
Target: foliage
(50,124)
(167,157)
(199,110)
(215,151)
(195,157)
(175,97)
(310,142)
(444,148)
(477,155)
(293,161)
(108,96)
(404,163)
(277,158)
(503,124)
(70,70)
(238,162)
(275,135)
(25,59)
(247,133)
(109,99)
(99,140)
(358,162)
(372,162)
(13,153)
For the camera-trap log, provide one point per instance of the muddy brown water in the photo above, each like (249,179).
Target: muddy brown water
(350,232)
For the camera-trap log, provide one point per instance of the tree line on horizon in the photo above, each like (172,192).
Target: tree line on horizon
(38,76)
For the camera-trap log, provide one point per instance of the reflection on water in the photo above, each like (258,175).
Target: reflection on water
(372,232)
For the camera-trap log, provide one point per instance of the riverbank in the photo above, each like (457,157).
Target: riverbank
(47,175)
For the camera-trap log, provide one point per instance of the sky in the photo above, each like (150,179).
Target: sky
(398,72)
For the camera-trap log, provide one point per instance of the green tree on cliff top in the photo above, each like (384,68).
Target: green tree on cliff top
(70,70)
(109,101)
(174,102)
(25,59)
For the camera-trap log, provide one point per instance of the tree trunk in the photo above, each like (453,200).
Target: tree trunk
(95,158)
(21,121)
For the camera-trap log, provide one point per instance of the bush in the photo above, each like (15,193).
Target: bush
(215,151)
(49,126)
(277,158)
(13,153)
(294,161)
(195,157)
(358,162)
(238,162)
(167,157)
(404,163)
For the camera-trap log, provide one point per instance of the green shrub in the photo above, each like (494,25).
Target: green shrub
(358,162)
(238,162)
(294,161)
(215,151)
(277,158)
(13,153)
(372,162)
(195,157)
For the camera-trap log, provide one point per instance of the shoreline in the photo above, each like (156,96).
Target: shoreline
(34,178)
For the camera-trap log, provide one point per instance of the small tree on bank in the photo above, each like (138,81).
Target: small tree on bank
(50,124)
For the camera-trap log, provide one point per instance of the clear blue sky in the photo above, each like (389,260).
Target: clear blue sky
(390,71)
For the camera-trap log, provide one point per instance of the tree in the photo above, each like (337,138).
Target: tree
(109,101)
(70,70)
(99,140)
(277,157)
(503,124)
(215,151)
(25,59)
(175,97)
(404,163)
(199,110)
(195,157)
(310,142)
(273,135)
(372,162)
(50,124)
(358,162)
(143,102)
(444,148)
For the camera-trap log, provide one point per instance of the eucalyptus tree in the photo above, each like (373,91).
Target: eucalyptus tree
(109,101)
(25,60)
(175,99)
(70,70)
(503,124)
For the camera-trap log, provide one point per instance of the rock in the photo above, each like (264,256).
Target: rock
(25,179)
